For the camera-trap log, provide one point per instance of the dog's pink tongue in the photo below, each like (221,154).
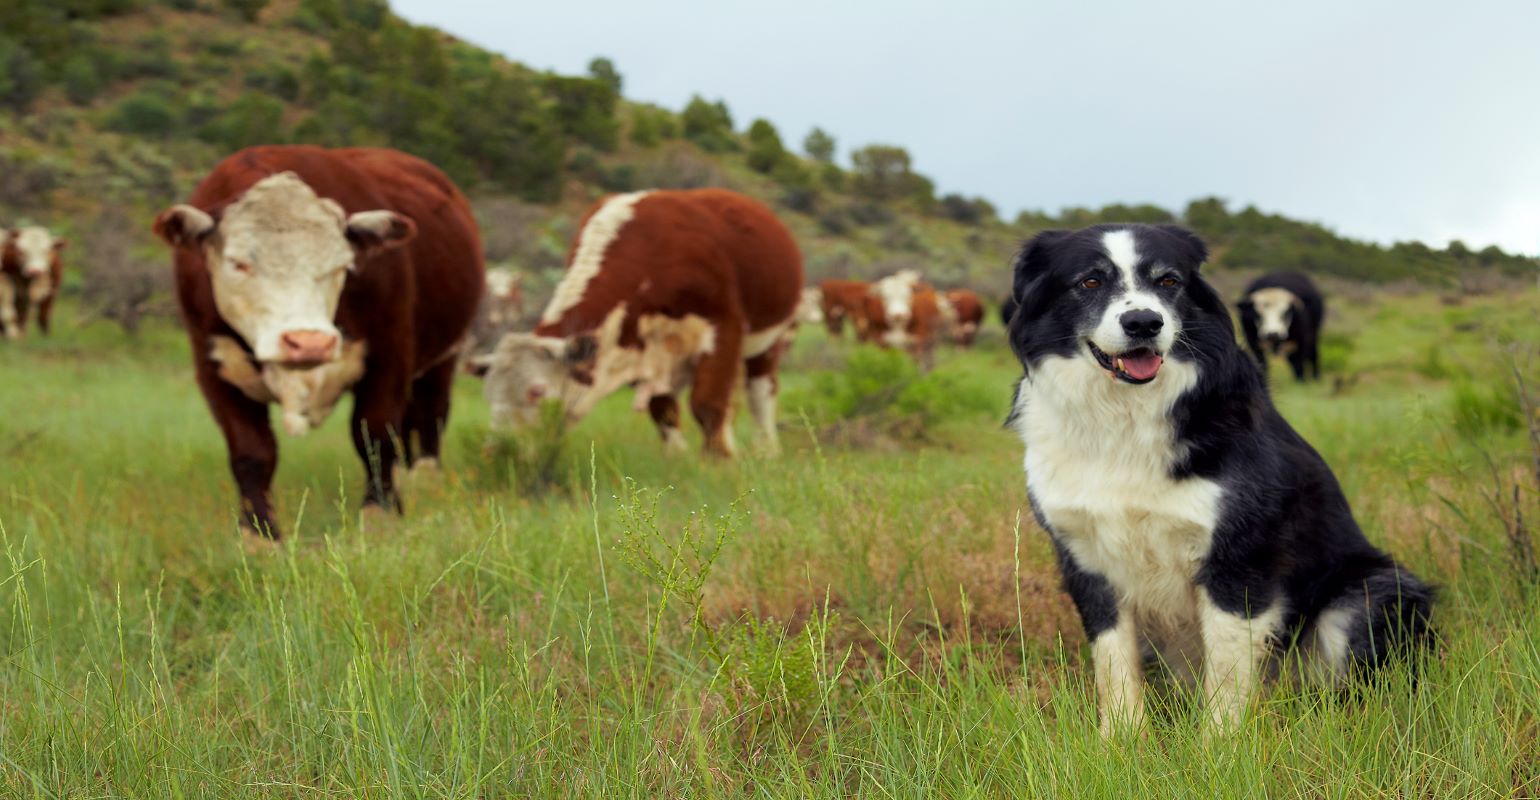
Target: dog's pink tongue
(1141,367)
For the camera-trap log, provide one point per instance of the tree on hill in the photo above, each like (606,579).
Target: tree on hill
(819,146)
(765,149)
(603,70)
(709,125)
(884,173)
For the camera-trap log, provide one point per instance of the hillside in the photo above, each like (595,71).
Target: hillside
(115,107)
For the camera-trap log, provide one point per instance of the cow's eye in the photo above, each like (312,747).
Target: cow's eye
(1091,283)
(240,266)
(1168,281)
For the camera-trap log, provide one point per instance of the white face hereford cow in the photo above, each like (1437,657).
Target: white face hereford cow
(277,259)
(1275,310)
(37,248)
(664,291)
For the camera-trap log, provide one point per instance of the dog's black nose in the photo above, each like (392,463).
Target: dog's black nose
(1141,323)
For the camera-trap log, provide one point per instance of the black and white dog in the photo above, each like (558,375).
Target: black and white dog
(1192,524)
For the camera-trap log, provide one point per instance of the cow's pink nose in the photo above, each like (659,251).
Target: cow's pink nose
(306,348)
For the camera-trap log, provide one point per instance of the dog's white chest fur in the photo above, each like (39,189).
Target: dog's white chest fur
(1098,464)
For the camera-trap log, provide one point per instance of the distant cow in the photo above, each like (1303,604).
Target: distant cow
(963,313)
(1282,312)
(844,300)
(664,289)
(810,307)
(504,299)
(904,313)
(30,273)
(304,272)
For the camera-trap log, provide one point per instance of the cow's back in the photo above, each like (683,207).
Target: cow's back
(767,263)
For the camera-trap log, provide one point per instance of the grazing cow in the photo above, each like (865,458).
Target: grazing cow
(904,313)
(664,289)
(504,299)
(304,272)
(963,313)
(1282,312)
(844,300)
(30,272)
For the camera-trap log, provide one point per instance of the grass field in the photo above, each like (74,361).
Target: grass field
(871,614)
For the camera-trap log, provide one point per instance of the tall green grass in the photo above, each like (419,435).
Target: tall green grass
(842,620)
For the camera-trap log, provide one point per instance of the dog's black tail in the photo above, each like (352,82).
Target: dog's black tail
(1397,621)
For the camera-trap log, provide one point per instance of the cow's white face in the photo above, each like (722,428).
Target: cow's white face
(278,258)
(897,295)
(502,283)
(36,249)
(578,371)
(810,310)
(1275,311)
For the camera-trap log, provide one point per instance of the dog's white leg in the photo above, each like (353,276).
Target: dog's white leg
(1119,676)
(1234,647)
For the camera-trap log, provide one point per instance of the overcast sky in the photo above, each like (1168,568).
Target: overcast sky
(1408,120)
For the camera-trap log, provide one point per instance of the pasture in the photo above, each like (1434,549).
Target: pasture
(872,613)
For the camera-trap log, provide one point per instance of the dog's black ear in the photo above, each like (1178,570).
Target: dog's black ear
(1032,260)
(1196,249)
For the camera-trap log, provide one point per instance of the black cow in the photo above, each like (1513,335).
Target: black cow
(1281,312)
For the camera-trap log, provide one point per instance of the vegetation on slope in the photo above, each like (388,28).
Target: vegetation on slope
(117,106)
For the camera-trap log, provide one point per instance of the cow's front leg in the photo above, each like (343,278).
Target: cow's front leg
(378,425)
(252,448)
(1238,631)
(711,396)
(8,327)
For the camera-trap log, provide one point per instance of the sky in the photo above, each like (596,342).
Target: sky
(1385,121)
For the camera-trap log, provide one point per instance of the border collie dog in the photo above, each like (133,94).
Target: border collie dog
(1192,524)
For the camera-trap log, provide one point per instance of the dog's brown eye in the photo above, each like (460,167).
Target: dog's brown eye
(1168,282)
(1091,283)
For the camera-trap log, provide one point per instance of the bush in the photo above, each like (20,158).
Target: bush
(819,146)
(253,119)
(1480,408)
(888,384)
(21,75)
(248,10)
(709,125)
(82,82)
(765,149)
(120,284)
(144,113)
(974,211)
(585,110)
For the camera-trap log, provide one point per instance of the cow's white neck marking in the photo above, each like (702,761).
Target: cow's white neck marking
(760,342)
(602,230)
(306,397)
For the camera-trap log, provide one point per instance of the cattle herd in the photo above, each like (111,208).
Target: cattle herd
(304,273)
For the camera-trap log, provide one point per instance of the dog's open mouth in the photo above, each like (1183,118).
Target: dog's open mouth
(1139,365)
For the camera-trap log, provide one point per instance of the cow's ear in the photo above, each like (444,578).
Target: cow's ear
(580,349)
(479,365)
(184,226)
(1032,260)
(373,231)
(1197,251)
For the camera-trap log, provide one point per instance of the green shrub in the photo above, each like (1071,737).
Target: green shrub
(1480,408)
(21,75)
(253,119)
(887,385)
(144,113)
(765,149)
(650,126)
(247,10)
(709,125)
(82,82)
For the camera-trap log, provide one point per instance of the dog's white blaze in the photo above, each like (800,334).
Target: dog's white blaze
(1235,647)
(762,408)
(1122,250)
(597,236)
(1271,305)
(1119,673)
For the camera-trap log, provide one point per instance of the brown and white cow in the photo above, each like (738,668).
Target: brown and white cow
(30,273)
(904,313)
(844,300)
(663,290)
(303,273)
(962,312)
(504,300)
